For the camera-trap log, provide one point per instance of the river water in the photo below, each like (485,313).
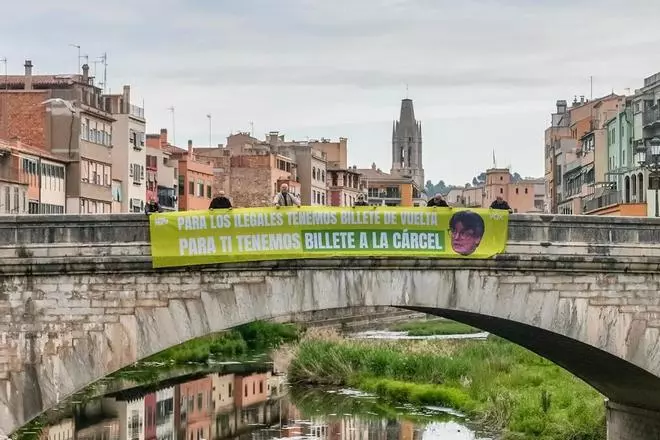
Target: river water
(238,401)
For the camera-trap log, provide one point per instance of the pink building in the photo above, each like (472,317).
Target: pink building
(196,400)
(251,389)
(150,416)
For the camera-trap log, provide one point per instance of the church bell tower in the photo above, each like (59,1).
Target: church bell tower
(407,145)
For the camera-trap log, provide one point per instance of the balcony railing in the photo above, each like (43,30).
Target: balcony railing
(136,111)
(651,116)
(607,199)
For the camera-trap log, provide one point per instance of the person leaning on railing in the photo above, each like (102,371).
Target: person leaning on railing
(285,198)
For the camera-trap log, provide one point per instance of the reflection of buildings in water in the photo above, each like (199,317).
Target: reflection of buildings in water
(223,390)
(251,389)
(64,430)
(276,384)
(165,414)
(196,408)
(150,416)
(130,412)
(107,429)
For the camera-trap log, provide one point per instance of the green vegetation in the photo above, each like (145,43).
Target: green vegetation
(434,327)
(505,386)
(236,344)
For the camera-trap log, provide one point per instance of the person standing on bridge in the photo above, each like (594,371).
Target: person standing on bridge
(151,207)
(285,198)
(220,202)
(500,203)
(438,200)
(360,201)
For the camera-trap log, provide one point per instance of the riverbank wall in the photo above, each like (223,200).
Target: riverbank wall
(353,319)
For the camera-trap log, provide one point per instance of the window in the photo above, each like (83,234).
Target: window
(501,190)
(7,200)
(182,185)
(261,387)
(208,191)
(200,189)
(191,188)
(84,170)
(526,190)
(516,190)
(200,401)
(107,179)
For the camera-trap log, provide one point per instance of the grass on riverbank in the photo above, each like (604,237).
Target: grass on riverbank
(431,327)
(504,385)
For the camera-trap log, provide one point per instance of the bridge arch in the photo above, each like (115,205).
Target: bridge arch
(528,309)
(83,301)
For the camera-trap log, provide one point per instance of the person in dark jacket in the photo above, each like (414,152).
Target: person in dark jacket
(220,202)
(500,203)
(438,201)
(360,201)
(151,207)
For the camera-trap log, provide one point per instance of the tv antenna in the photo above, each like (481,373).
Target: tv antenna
(171,109)
(80,57)
(103,59)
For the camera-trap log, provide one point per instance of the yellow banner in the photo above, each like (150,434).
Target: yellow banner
(256,234)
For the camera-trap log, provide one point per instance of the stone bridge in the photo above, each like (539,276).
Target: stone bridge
(79,300)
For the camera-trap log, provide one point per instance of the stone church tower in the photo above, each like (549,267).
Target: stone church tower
(407,145)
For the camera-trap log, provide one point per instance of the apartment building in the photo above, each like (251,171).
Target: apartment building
(220,158)
(194,186)
(576,153)
(256,178)
(32,181)
(129,153)
(65,115)
(300,164)
(344,186)
(162,173)
(388,189)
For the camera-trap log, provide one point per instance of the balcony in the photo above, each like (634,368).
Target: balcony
(607,199)
(14,175)
(651,116)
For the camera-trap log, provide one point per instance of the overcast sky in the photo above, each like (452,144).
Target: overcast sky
(484,74)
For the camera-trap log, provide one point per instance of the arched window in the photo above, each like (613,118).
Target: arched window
(314,173)
(640,184)
(626,190)
(633,186)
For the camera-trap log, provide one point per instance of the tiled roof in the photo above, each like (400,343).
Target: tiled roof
(18,147)
(41,80)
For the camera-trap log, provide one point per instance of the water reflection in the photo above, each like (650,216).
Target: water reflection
(247,404)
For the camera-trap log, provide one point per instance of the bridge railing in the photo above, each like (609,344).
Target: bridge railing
(60,242)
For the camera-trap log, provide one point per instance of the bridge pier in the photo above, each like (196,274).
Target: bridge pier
(630,423)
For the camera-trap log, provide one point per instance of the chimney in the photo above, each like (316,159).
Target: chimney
(190,149)
(163,138)
(127,99)
(28,75)
(85,69)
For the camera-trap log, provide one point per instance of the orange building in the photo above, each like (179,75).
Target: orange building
(389,189)
(196,178)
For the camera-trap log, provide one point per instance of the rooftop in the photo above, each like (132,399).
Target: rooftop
(17,146)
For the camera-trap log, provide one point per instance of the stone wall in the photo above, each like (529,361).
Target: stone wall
(79,299)
(626,423)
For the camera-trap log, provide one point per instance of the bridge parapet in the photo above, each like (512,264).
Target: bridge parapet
(74,243)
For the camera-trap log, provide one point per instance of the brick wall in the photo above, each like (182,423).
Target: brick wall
(22,115)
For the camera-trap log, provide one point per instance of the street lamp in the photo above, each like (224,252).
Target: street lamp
(648,157)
